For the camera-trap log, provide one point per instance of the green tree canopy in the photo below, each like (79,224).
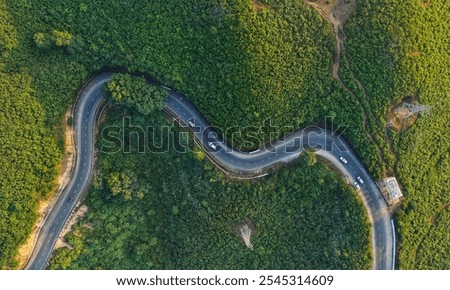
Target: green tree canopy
(62,38)
(135,92)
(8,32)
(28,156)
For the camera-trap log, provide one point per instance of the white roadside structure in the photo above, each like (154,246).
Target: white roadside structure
(393,189)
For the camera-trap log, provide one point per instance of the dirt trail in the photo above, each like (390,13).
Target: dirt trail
(434,220)
(337,13)
(372,116)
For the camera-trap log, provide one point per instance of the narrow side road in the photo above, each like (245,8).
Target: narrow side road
(234,162)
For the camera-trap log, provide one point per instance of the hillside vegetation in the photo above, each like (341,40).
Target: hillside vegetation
(27,160)
(261,64)
(227,56)
(134,92)
(405,52)
(175,211)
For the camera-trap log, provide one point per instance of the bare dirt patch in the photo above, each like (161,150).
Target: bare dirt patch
(415,53)
(335,11)
(44,207)
(246,222)
(76,216)
(398,118)
(258,6)
(425,4)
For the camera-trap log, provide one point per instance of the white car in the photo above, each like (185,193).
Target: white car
(343,160)
(356,185)
(212,145)
(360,179)
(191,123)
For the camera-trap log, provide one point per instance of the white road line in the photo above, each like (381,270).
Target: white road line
(175,103)
(394,243)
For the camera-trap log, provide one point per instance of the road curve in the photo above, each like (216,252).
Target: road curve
(234,162)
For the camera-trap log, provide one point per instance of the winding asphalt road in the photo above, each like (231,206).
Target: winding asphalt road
(237,163)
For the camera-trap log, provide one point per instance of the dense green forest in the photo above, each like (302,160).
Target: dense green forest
(263,63)
(228,56)
(406,52)
(27,157)
(134,92)
(175,211)
(8,39)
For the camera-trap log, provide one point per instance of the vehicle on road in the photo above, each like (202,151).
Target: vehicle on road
(191,123)
(212,145)
(384,247)
(343,160)
(360,179)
